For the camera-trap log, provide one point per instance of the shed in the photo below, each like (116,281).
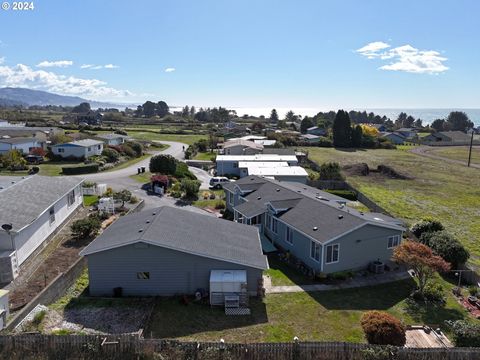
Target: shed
(226,282)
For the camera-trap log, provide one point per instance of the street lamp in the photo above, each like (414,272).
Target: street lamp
(470,149)
(459,274)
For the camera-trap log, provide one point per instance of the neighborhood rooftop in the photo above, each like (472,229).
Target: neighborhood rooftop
(112,136)
(24,201)
(242,142)
(19,140)
(185,231)
(83,143)
(272,168)
(257,157)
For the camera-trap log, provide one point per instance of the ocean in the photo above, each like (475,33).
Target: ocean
(427,115)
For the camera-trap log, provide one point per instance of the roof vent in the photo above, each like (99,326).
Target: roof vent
(259,198)
(315,228)
(154,213)
(340,216)
(148,221)
(299,191)
(141,230)
(277,190)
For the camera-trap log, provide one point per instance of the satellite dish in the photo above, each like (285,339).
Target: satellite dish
(7,227)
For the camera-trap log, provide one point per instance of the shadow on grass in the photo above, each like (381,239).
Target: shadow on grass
(283,274)
(350,149)
(432,314)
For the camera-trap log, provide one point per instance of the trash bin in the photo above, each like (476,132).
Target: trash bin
(117,292)
(139,170)
(143,169)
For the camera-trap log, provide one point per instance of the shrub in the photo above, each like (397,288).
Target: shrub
(383,329)
(330,171)
(466,334)
(433,292)
(111,155)
(121,132)
(220,205)
(347,194)
(164,164)
(127,150)
(123,196)
(190,187)
(182,171)
(13,160)
(137,148)
(86,169)
(324,142)
(38,151)
(86,227)
(426,225)
(445,245)
(473,290)
(340,275)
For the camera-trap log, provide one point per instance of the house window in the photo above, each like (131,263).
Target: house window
(235,165)
(51,212)
(333,252)
(99,147)
(61,150)
(272,223)
(230,198)
(144,275)
(393,241)
(289,235)
(315,250)
(71,198)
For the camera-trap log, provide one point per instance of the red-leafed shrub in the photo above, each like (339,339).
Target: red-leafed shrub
(383,329)
(38,151)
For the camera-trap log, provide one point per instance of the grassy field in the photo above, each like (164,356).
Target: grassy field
(457,153)
(151,136)
(205,156)
(447,192)
(55,168)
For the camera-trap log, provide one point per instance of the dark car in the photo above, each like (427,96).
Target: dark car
(34,159)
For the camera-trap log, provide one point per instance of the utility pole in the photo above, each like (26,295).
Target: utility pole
(470,150)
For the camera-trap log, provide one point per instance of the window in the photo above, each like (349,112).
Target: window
(235,165)
(289,235)
(144,275)
(61,150)
(99,147)
(315,251)
(272,223)
(71,198)
(230,198)
(52,214)
(333,252)
(393,241)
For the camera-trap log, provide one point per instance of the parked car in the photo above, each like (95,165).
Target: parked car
(218,181)
(34,159)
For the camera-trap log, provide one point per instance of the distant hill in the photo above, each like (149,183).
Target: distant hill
(21,96)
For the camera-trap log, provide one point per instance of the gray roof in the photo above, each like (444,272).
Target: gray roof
(310,136)
(185,231)
(306,208)
(17,140)
(282,151)
(24,201)
(83,143)
(112,136)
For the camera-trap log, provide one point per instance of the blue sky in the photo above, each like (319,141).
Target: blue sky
(263,53)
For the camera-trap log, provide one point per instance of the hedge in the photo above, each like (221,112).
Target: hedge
(86,169)
(347,194)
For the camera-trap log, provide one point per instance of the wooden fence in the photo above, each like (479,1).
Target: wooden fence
(133,347)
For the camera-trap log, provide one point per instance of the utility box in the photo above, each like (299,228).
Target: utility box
(106,204)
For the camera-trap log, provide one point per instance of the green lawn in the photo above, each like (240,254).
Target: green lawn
(142,178)
(205,156)
(89,200)
(203,203)
(51,168)
(150,136)
(282,274)
(457,153)
(445,191)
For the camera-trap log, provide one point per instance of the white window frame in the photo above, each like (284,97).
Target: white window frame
(326,253)
(71,198)
(288,235)
(60,150)
(230,198)
(273,224)
(316,247)
(395,241)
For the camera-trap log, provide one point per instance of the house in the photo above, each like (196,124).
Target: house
(241,147)
(24,145)
(31,211)
(447,138)
(315,130)
(310,138)
(314,226)
(380,127)
(80,149)
(168,251)
(275,170)
(407,133)
(41,133)
(113,139)
(228,164)
(88,118)
(394,138)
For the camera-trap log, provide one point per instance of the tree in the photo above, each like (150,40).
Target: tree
(162,108)
(305,124)
(111,155)
(82,108)
(192,112)
(257,126)
(274,116)
(164,164)
(290,116)
(13,160)
(438,124)
(369,130)
(148,109)
(190,187)
(342,130)
(137,148)
(418,123)
(466,333)
(186,112)
(402,117)
(408,123)
(459,121)
(86,227)
(123,196)
(330,171)
(421,259)
(445,245)
(357,135)
(381,328)
(426,225)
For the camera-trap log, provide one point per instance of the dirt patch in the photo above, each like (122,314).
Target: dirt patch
(390,172)
(362,169)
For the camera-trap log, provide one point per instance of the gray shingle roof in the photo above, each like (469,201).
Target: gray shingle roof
(24,201)
(185,231)
(112,136)
(83,143)
(17,140)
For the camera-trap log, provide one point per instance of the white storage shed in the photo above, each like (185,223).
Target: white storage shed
(227,282)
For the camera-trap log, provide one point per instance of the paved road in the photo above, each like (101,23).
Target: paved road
(425,151)
(120,179)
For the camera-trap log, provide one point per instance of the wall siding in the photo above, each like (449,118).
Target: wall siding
(171,272)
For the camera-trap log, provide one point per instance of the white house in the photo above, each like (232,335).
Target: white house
(228,164)
(113,139)
(79,149)
(24,145)
(274,170)
(31,210)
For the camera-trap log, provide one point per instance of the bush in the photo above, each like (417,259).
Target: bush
(86,169)
(473,290)
(163,164)
(466,334)
(433,292)
(330,171)
(121,132)
(182,171)
(111,155)
(445,245)
(325,142)
(123,196)
(426,225)
(220,205)
(86,227)
(127,150)
(347,194)
(340,275)
(190,187)
(137,148)
(381,328)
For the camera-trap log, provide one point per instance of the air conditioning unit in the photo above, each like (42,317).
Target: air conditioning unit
(377,267)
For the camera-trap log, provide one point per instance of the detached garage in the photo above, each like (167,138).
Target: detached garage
(169,251)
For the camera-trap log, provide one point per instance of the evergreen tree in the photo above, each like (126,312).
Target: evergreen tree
(342,130)
(306,123)
(357,134)
(274,116)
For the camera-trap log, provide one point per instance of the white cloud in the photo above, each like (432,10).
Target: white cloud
(170,69)
(86,66)
(97,67)
(111,66)
(405,58)
(24,76)
(58,63)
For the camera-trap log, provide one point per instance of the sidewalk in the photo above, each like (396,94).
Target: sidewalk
(354,283)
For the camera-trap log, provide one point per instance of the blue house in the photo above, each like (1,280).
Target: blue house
(315,130)
(316,227)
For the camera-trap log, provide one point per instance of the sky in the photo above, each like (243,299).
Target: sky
(249,53)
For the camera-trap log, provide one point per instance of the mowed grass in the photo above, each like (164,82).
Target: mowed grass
(89,200)
(154,136)
(320,316)
(207,156)
(445,191)
(457,153)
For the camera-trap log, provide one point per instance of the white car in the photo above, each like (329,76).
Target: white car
(218,181)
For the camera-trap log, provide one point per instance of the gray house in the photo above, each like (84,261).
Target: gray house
(81,149)
(168,251)
(316,227)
